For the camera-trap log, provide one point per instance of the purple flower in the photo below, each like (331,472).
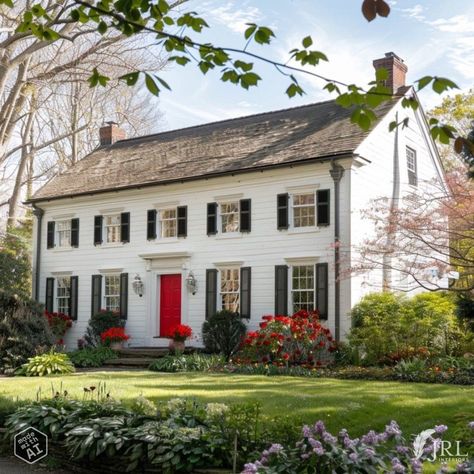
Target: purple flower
(370,453)
(348,443)
(393,429)
(370,438)
(402,450)
(307,431)
(463,467)
(353,457)
(440,428)
(317,446)
(329,438)
(305,456)
(397,466)
(275,448)
(417,466)
(319,427)
(444,468)
(250,468)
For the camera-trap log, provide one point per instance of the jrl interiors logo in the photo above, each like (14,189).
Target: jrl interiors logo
(30,445)
(439,449)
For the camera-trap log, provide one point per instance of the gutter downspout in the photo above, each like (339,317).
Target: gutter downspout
(38,213)
(394,202)
(336,172)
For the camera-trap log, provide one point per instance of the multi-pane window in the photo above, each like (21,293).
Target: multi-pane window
(304,210)
(302,287)
(63,295)
(168,223)
(63,233)
(411,166)
(112,292)
(112,228)
(230,216)
(230,289)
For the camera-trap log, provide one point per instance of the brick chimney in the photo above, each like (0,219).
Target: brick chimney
(111,133)
(396,69)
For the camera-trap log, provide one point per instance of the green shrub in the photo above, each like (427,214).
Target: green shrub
(187,363)
(91,356)
(8,406)
(49,363)
(223,332)
(386,325)
(23,331)
(99,323)
(410,369)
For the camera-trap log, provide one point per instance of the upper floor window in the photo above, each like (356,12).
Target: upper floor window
(113,228)
(63,294)
(412,167)
(168,223)
(63,233)
(230,289)
(112,292)
(229,212)
(304,210)
(303,287)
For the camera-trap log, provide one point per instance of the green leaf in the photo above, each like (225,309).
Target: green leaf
(294,89)
(8,3)
(102,27)
(243,65)
(392,126)
(130,78)
(441,84)
(151,85)
(249,79)
(250,30)
(181,60)
(307,42)
(423,82)
(163,83)
(381,74)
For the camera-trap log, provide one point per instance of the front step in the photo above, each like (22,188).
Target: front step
(146,352)
(129,362)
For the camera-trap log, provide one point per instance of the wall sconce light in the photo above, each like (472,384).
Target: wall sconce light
(138,286)
(191,283)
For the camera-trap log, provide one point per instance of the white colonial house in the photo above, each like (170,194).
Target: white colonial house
(249,214)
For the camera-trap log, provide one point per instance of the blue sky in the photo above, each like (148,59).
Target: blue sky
(433,37)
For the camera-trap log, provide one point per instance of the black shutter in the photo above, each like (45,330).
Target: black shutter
(211,292)
(74,232)
(245,291)
(98,230)
(49,300)
(124,295)
(245,215)
(281,290)
(323,208)
(151,224)
(282,211)
(182,212)
(322,289)
(74,286)
(125,227)
(96,300)
(212,218)
(50,238)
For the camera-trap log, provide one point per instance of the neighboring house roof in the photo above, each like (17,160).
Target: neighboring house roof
(280,138)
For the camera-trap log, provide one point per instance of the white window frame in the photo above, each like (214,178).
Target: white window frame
(63,296)
(222,273)
(160,222)
(106,226)
(107,296)
(412,165)
(293,206)
(221,215)
(299,290)
(62,237)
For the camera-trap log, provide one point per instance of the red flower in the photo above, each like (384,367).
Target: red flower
(263,325)
(285,356)
(180,332)
(114,335)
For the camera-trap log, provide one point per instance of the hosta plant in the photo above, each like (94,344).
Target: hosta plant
(49,363)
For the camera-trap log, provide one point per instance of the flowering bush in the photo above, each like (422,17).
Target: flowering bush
(100,322)
(114,335)
(283,340)
(320,452)
(59,324)
(180,333)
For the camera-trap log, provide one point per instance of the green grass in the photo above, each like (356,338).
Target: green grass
(354,404)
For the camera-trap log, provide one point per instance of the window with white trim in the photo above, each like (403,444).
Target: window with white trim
(112,224)
(302,288)
(304,209)
(411,167)
(230,289)
(63,294)
(168,223)
(229,213)
(112,292)
(63,233)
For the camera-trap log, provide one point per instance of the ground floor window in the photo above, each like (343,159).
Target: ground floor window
(112,292)
(302,288)
(230,289)
(63,294)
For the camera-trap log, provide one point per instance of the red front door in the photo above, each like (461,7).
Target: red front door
(170,303)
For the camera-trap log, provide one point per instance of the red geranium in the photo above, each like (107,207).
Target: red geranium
(114,335)
(180,333)
(59,324)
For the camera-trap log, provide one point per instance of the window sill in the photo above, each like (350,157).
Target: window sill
(229,235)
(113,245)
(165,240)
(303,230)
(62,249)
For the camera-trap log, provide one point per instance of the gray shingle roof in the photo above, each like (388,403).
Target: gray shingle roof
(270,139)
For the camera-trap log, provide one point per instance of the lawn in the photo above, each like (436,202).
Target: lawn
(354,404)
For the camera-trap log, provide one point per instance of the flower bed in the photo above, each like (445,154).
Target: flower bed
(59,324)
(299,339)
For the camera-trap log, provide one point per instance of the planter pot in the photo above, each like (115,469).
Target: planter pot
(176,346)
(116,346)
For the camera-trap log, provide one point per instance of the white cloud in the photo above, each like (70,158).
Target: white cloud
(233,17)
(455,24)
(414,12)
